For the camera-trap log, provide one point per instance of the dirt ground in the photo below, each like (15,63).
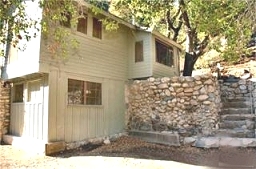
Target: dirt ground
(127,152)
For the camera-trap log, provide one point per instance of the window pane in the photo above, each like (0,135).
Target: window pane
(93,93)
(75,92)
(81,92)
(164,54)
(66,20)
(82,24)
(18,93)
(97,28)
(34,93)
(139,51)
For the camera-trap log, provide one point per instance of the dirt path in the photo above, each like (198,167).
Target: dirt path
(132,153)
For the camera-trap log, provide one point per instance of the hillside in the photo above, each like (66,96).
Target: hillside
(235,70)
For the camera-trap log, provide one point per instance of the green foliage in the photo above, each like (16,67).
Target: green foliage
(59,20)
(206,22)
(58,17)
(103,5)
(14,22)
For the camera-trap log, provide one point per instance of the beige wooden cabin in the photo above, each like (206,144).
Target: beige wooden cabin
(82,97)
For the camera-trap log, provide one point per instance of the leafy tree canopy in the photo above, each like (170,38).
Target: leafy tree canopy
(224,25)
(16,23)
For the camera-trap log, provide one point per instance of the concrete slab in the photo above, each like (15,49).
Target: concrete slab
(166,138)
(27,144)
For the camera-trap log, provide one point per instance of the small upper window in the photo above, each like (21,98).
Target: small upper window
(164,54)
(82,24)
(97,28)
(18,93)
(139,51)
(84,92)
(66,20)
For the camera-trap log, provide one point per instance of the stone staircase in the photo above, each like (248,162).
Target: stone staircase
(236,127)
(236,119)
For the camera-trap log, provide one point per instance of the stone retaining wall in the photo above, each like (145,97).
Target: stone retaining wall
(187,105)
(4,108)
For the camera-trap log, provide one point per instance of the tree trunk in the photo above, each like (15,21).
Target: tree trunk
(188,64)
(6,55)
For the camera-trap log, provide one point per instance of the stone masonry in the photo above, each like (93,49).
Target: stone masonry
(4,108)
(240,89)
(185,105)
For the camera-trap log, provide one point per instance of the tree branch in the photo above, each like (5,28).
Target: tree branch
(177,29)
(185,14)
(202,48)
(171,26)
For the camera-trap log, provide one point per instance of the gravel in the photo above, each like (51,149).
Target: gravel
(128,152)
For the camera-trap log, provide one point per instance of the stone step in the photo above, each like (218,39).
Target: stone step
(238,104)
(237,117)
(246,110)
(237,99)
(239,133)
(244,124)
(216,142)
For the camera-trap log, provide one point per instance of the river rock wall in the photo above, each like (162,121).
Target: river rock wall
(4,108)
(187,105)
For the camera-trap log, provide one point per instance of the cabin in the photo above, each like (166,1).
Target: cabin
(82,97)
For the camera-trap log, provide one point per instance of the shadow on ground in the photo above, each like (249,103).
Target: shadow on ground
(134,148)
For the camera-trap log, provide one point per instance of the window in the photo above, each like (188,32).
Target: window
(164,54)
(97,28)
(139,51)
(82,24)
(84,92)
(34,92)
(66,20)
(18,93)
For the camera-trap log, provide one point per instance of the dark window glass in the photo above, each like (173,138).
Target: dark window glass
(18,93)
(82,24)
(139,51)
(164,54)
(84,92)
(97,28)
(66,20)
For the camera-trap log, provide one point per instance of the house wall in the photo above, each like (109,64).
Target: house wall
(98,60)
(80,122)
(26,60)
(29,118)
(106,57)
(160,70)
(144,68)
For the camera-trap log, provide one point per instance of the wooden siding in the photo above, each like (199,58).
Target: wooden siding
(106,57)
(28,119)
(144,68)
(83,122)
(26,61)
(71,123)
(115,110)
